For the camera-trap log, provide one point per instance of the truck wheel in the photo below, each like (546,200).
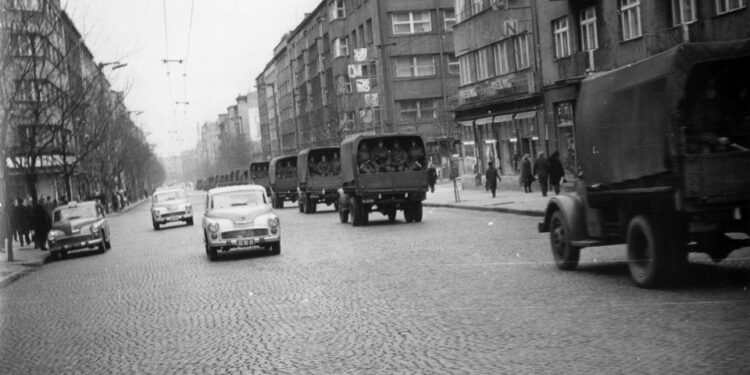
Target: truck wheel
(566,256)
(408,213)
(359,216)
(308,204)
(649,256)
(301,206)
(313,207)
(279,202)
(392,215)
(416,213)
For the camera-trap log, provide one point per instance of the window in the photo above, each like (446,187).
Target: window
(340,47)
(464,63)
(417,109)
(481,61)
(477,6)
(453,65)
(683,11)
(338,9)
(449,19)
(521,46)
(562,37)
(368,28)
(415,66)
(411,23)
(589,39)
(726,6)
(630,18)
(501,58)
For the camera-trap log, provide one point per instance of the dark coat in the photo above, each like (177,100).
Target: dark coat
(526,175)
(20,218)
(431,175)
(541,169)
(556,171)
(492,177)
(40,220)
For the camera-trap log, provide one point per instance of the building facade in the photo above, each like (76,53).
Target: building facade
(361,66)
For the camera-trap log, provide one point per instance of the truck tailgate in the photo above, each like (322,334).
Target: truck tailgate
(318,183)
(395,181)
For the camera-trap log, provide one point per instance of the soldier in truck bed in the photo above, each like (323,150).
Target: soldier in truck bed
(365,163)
(399,158)
(312,167)
(324,167)
(335,164)
(416,156)
(381,156)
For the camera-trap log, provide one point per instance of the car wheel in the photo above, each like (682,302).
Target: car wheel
(189,221)
(566,256)
(649,256)
(275,248)
(156,225)
(107,242)
(60,255)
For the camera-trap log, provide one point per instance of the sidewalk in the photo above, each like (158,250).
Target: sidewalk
(509,199)
(27,259)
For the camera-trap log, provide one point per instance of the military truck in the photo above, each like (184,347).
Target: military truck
(259,175)
(376,176)
(318,177)
(282,177)
(663,146)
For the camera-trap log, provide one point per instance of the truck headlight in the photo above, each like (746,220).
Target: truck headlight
(213,227)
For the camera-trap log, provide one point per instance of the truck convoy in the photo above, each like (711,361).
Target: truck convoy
(318,177)
(282,176)
(259,175)
(663,149)
(384,173)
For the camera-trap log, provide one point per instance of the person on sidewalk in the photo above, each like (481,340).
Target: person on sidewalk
(541,171)
(526,177)
(431,176)
(492,176)
(20,220)
(41,222)
(556,171)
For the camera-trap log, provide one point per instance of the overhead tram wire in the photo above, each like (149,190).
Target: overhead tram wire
(184,68)
(166,49)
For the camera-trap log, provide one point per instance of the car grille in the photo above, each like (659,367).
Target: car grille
(178,213)
(244,233)
(73,240)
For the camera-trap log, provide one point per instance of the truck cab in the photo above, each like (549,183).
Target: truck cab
(662,147)
(282,178)
(318,177)
(386,173)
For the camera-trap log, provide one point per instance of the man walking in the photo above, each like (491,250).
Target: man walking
(492,177)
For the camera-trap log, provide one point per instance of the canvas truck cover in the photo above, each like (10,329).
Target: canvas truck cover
(303,162)
(626,123)
(350,168)
(278,163)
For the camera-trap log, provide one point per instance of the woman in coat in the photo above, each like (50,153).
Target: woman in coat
(526,177)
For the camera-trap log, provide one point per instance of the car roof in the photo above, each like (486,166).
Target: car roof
(76,204)
(170,190)
(227,189)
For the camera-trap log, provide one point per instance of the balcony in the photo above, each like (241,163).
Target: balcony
(666,39)
(575,65)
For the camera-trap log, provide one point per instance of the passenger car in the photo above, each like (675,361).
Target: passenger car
(170,205)
(78,225)
(240,217)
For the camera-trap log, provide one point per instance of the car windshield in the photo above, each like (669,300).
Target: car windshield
(237,198)
(72,213)
(169,196)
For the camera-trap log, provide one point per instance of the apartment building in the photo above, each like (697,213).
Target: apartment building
(578,37)
(362,66)
(500,105)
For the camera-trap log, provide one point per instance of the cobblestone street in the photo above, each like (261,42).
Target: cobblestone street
(462,292)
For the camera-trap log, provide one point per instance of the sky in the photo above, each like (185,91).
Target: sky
(224,48)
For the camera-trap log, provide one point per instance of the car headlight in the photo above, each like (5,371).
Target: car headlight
(188,208)
(157,213)
(273,222)
(213,227)
(94,229)
(52,236)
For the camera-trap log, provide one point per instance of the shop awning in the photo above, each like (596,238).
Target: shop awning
(502,118)
(484,121)
(468,123)
(525,115)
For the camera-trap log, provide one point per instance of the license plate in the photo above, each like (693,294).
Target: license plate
(172,218)
(245,243)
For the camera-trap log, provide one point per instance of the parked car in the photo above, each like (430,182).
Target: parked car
(170,205)
(240,217)
(78,225)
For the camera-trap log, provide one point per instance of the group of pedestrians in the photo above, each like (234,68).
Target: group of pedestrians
(31,221)
(548,171)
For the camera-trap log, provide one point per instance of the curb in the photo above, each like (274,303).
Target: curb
(27,267)
(504,210)
(129,207)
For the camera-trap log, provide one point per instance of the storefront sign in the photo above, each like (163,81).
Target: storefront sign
(469,93)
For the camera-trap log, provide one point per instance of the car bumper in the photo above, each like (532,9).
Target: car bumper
(170,219)
(244,242)
(80,244)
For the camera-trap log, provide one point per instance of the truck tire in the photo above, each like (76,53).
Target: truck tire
(392,215)
(343,215)
(566,255)
(649,256)
(416,213)
(359,216)
(301,206)
(309,205)
(407,213)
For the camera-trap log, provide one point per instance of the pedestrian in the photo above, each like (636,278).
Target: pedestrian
(431,176)
(556,171)
(492,177)
(41,224)
(527,178)
(48,205)
(541,171)
(20,219)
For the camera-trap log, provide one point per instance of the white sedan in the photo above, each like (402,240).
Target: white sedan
(240,217)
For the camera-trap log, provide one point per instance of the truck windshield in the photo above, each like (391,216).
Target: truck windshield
(716,107)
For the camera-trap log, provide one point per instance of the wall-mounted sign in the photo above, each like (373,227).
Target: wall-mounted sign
(355,70)
(360,54)
(502,83)
(363,85)
(372,100)
(469,93)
